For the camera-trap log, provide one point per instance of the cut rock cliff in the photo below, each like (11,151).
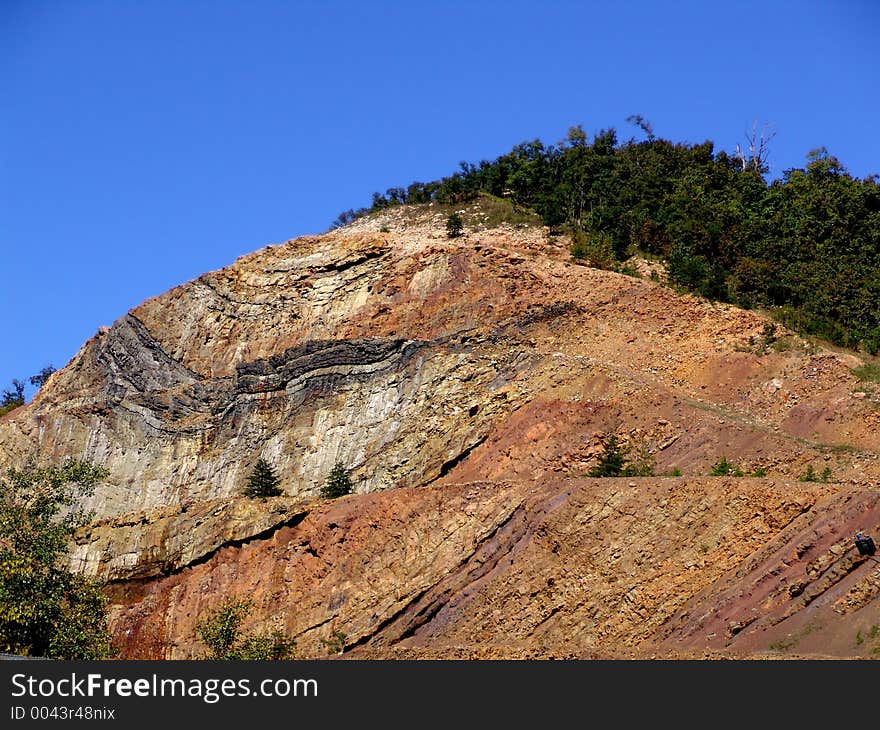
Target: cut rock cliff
(467,384)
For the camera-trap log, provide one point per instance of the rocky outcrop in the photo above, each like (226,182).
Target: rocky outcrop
(467,384)
(607,568)
(162,542)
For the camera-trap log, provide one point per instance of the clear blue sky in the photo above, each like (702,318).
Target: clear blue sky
(145,143)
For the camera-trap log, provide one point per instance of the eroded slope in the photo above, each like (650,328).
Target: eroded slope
(477,377)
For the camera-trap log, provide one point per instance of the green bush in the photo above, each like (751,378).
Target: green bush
(809,475)
(641,469)
(221,632)
(724,468)
(454,225)
(595,248)
(335,643)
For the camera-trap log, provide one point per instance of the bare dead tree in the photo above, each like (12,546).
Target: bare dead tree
(642,124)
(758,148)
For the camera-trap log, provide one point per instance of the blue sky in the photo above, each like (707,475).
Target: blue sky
(145,143)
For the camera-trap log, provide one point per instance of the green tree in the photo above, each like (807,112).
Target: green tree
(12,397)
(338,482)
(45,610)
(221,632)
(454,225)
(611,459)
(724,468)
(39,380)
(262,481)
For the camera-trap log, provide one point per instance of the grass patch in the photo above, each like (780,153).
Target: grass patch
(784,344)
(841,448)
(867,373)
(783,644)
(488,211)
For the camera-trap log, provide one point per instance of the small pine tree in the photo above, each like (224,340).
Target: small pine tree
(338,482)
(611,459)
(809,475)
(263,481)
(454,225)
(826,474)
(723,468)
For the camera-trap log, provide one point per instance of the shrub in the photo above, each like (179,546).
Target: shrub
(596,248)
(221,633)
(335,643)
(809,475)
(454,225)
(641,469)
(263,481)
(338,482)
(725,468)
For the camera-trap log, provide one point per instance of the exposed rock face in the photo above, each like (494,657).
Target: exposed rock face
(466,383)
(566,568)
(150,544)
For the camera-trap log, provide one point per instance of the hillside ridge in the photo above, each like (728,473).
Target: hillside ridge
(467,384)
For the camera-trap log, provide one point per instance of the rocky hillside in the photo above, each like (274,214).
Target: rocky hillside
(467,384)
